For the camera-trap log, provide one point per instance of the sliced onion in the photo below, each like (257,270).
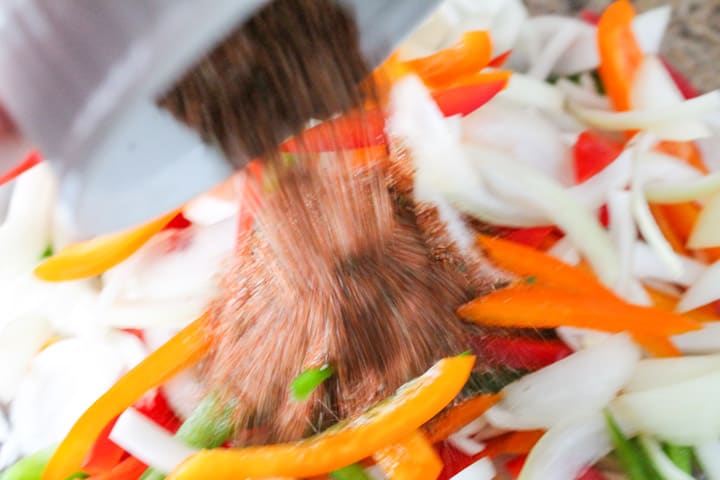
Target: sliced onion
(592,193)
(706,231)
(463,439)
(152,313)
(649,28)
(702,341)
(560,42)
(683,413)
(647,265)
(651,119)
(568,448)
(206,210)
(25,234)
(706,289)
(576,385)
(4,428)
(531,92)
(20,340)
(483,469)
(148,442)
(661,463)
(708,456)
(623,234)
(581,96)
(525,134)
(565,251)
(683,191)
(654,88)
(581,338)
(73,373)
(529,188)
(659,372)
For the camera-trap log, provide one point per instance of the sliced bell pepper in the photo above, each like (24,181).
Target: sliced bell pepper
(95,256)
(465,99)
(30,161)
(456,417)
(546,269)
(500,60)
(104,453)
(180,222)
(522,353)
(412,459)
(129,469)
(532,237)
(470,55)
(593,152)
(154,405)
(513,443)
(351,131)
(388,423)
(183,350)
(537,306)
(685,86)
(620,54)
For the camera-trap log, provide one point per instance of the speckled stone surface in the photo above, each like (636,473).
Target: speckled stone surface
(693,40)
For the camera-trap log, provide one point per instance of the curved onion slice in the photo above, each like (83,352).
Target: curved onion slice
(706,289)
(659,372)
(592,193)
(702,341)
(649,28)
(523,186)
(529,137)
(683,191)
(20,340)
(647,265)
(662,464)
(708,455)
(532,92)
(706,231)
(651,119)
(653,88)
(684,413)
(568,448)
(73,373)
(576,385)
(483,469)
(148,442)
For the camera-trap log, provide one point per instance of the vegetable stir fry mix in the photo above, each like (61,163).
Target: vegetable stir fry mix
(595,176)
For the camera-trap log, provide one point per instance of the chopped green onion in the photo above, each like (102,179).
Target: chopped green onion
(466,353)
(351,472)
(305,383)
(207,427)
(631,456)
(681,456)
(29,468)
(531,280)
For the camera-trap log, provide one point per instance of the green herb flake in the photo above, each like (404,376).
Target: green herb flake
(466,353)
(305,383)
(351,472)
(531,280)
(47,253)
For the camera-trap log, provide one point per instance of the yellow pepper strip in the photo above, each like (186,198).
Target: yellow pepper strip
(386,424)
(183,350)
(95,256)
(412,459)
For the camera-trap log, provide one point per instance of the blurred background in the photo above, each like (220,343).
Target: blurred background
(692,43)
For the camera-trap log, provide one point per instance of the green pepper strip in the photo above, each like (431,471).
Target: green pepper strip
(351,472)
(681,456)
(206,427)
(631,456)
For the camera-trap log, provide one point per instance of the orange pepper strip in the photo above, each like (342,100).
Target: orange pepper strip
(661,347)
(453,419)
(620,54)
(471,54)
(681,218)
(515,443)
(388,423)
(663,301)
(414,458)
(688,151)
(547,270)
(183,350)
(537,306)
(669,231)
(95,256)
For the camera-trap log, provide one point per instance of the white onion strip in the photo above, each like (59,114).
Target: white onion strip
(708,455)
(664,466)
(148,442)
(689,110)
(483,469)
(706,231)
(683,191)
(705,290)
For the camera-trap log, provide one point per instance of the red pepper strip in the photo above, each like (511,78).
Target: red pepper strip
(30,161)
(178,223)
(183,350)
(465,99)
(155,406)
(470,55)
(348,132)
(590,17)
(593,152)
(129,469)
(620,54)
(500,60)
(684,85)
(532,237)
(522,353)
(454,461)
(104,454)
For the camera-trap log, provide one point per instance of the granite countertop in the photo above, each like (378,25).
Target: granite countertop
(693,41)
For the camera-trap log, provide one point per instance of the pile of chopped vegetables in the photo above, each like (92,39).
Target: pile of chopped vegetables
(595,168)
